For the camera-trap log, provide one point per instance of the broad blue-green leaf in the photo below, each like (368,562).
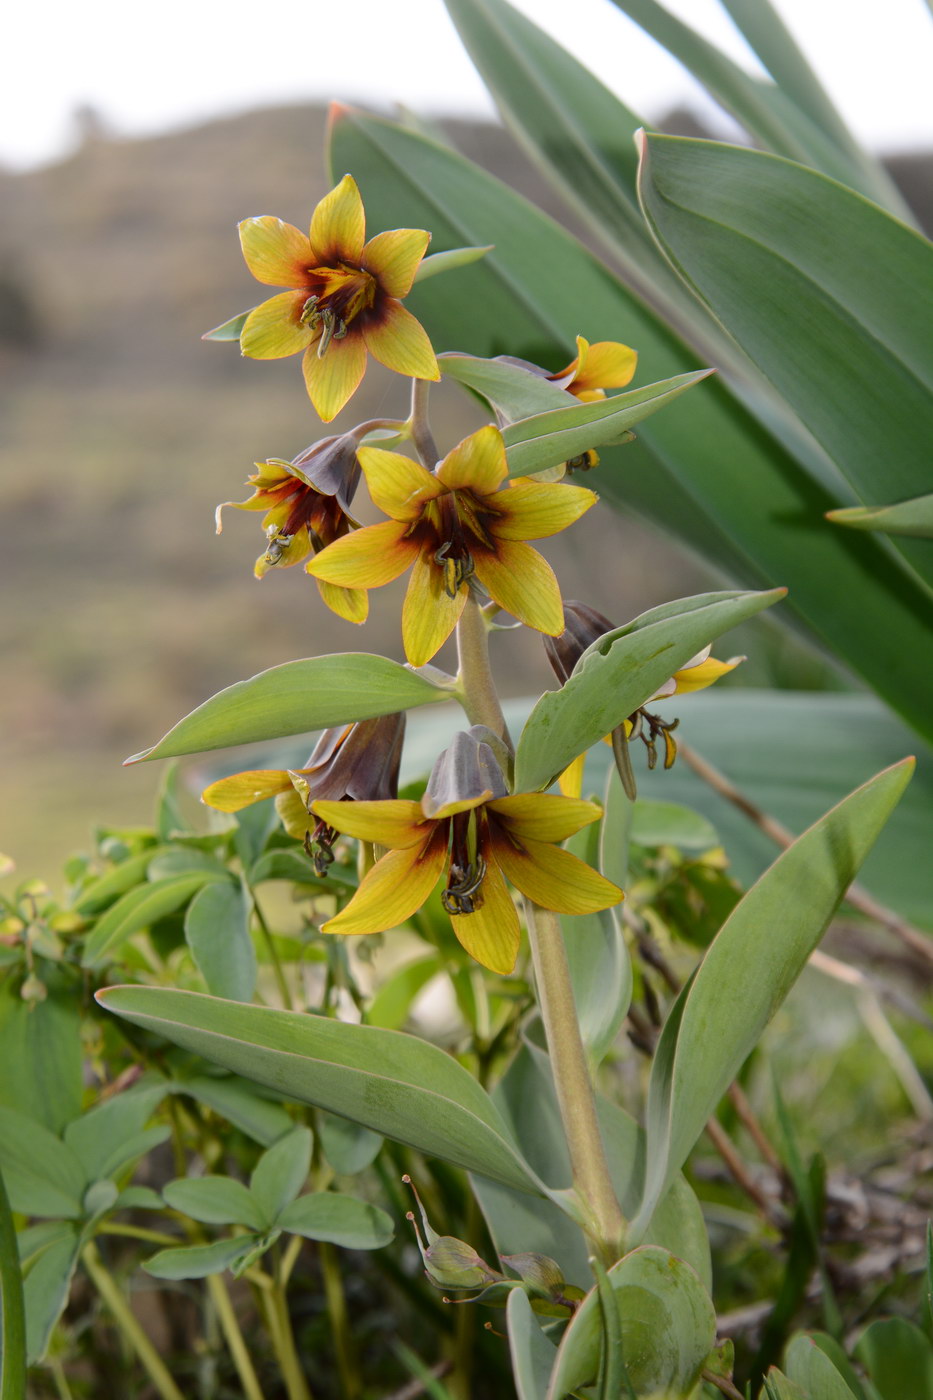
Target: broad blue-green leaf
(12,1308)
(519,1223)
(812,1369)
(342,1220)
(138,1198)
(618,674)
(779,253)
(668,1328)
(229,330)
(139,1145)
(216,1200)
(281,1172)
(43,1176)
(448,261)
(295,698)
(898,1358)
(139,908)
(905,518)
(40,1050)
(200,1260)
(747,972)
(393,1083)
(100,1197)
(533,1354)
(240,1103)
(600,966)
(348,1147)
(46,1286)
(704,469)
(217,932)
(669,824)
(99,1135)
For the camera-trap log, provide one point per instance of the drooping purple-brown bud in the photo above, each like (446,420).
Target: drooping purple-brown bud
(465,772)
(332,467)
(583,626)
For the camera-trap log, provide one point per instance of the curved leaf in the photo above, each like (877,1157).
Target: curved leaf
(215,1200)
(395,1084)
(341,1220)
(294,699)
(533,1354)
(905,518)
(141,907)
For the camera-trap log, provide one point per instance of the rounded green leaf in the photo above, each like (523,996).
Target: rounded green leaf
(294,699)
(217,932)
(139,908)
(281,1172)
(215,1200)
(342,1220)
(200,1260)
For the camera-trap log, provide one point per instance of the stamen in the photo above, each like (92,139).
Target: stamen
(319,845)
(331,324)
(458,568)
(462,887)
(276,546)
(309,312)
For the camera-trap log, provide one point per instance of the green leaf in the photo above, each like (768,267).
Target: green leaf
(140,908)
(295,698)
(392,1002)
(40,1050)
(449,261)
(216,1200)
(779,254)
(134,1147)
(669,824)
(217,932)
(705,468)
(348,1147)
(46,1286)
(240,1103)
(393,1083)
(668,1328)
(747,972)
(281,1172)
(600,967)
(533,1354)
(617,675)
(43,1176)
(12,1308)
(812,1369)
(905,518)
(200,1260)
(98,1137)
(117,881)
(230,330)
(341,1220)
(898,1358)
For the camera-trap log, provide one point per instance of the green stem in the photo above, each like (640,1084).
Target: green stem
(13,1328)
(283,1339)
(572,1082)
(479,696)
(277,968)
(61,1380)
(123,1316)
(421,434)
(347,1368)
(138,1232)
(234,1337)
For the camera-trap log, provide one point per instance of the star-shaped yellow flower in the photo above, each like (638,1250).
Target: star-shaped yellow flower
(464,520)
(343,299)
(468,828)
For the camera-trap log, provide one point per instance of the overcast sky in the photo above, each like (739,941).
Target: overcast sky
(149,67)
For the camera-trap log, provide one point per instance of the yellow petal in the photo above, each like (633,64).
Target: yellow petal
(331,380)
(397,824)
(531,510)
(394,889)
(400,342)
(522,583)
(352,604)
(605,365)
(706,673)
(243,789)
(477,463)
(294,815)
(273,329)
(276,253)
(338,225)
(393,258)
(570,781)
(555,879)
(573,367)
(544,816)
(398,486)
(491,934)
(429,614)
(367,558)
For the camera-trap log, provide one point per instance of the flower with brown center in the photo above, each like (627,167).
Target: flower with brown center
(464,520)
(343,299)
(468,829)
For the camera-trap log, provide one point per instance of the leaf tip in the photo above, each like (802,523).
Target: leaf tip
(138,757)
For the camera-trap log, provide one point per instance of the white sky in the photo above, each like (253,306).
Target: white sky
(151,66)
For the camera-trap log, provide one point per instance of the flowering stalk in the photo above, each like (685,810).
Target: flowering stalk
(478,690)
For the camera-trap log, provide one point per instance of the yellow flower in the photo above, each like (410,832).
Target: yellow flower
(583,626)
(465,520)
(606,365)
(307,502)
(343,299)
(468,829)
(351,762)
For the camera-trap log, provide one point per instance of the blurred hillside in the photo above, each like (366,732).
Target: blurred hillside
(121,430)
